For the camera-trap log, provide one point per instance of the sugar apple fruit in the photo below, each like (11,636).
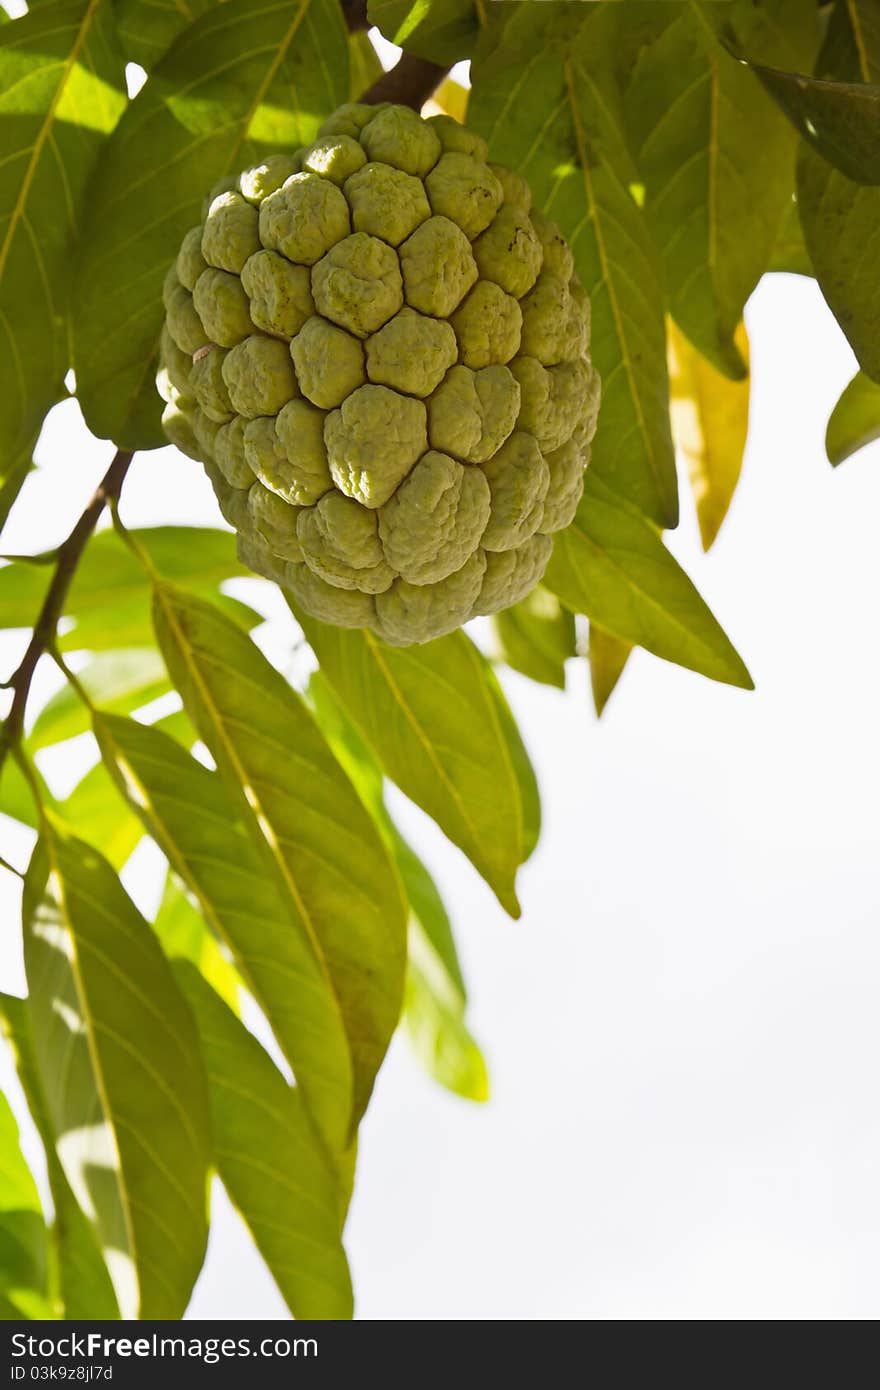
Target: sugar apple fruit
(379,352)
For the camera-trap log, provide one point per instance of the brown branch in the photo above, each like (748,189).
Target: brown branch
(409,83)
(67,557)
(355,15)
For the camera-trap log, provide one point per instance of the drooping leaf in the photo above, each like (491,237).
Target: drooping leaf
(536,636)
(716,156)
(270,1161)
(119,681)
(61,93)
(438,1034)
(317,842)
(790,255)
(196,824)
(710,423)
(435,997)
(840,218)
(430,714)
(608,657)
(184,935)
(148,28)
(109,599)
(237,83)
(117,1055)
(839,119)
(24,1278)
(855,420)
(546,99)
(83,1288)
(442,30)
(611,565)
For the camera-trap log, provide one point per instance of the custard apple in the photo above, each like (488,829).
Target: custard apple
(379,352)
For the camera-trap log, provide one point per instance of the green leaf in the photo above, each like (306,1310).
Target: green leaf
(613,566)
(184,935)
(109,599)
(117,1054)
(148,28)
(435,998)
(840,218)
(270,1161)
(363,63)
(237,84)
(430,714)
(839,119)
(435,1026)
(119,681)
(710,425)
(84,1289)
(317,842)
(97,813)
(790,254)
(536,637)
(547,100)
(717,157)
(855,420)
(61,93)
(24,1285)
(190,814)
(608,657)
(442,30)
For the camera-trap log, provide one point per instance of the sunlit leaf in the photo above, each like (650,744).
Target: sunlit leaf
(191,816)
(716,156)
(24,1279)
(317,842)
(608,657)
(435,998)
(430,714)
(185,935)
(118,1059)
(83,1288)
(270,1161)
(108,605)
(710,423)
(536,636)
(840,218)
(612,565)
(61,93)
(547,100)
(238,83)
(119,681)
(790,254)
(363,63)
(855,420)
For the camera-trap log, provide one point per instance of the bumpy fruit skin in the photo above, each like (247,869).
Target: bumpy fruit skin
(380,354)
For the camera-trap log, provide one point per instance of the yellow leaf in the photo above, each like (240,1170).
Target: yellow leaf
(608,656)
(710,422)
(450,99)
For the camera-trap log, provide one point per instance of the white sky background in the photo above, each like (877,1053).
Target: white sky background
(682,1030)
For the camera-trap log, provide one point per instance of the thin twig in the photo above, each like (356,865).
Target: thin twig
(67,557)
(409,83)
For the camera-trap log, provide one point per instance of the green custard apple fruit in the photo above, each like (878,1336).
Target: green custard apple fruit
(380,353)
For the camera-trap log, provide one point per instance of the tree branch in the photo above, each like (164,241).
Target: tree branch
(67,557)
(355,14)
(409,83)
